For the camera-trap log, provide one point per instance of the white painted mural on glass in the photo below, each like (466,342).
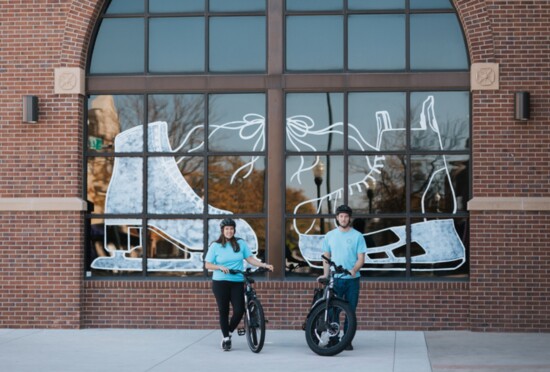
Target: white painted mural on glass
(169,193)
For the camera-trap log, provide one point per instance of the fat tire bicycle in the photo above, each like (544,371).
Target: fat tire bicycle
(254,318)
(326,333)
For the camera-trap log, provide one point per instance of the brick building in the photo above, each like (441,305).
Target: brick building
(76,217)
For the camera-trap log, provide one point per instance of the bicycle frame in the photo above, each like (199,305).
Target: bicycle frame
(254,315)
(249,294)
(328,291)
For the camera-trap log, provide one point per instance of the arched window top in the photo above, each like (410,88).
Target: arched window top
(215,36)
(181,37)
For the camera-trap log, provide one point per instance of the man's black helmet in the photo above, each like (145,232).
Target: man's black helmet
(227,222)
(343,209)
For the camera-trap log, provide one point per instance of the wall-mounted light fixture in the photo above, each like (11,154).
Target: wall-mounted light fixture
(521,106)
(30,109)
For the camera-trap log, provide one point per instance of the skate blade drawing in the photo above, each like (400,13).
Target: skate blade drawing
(438,239)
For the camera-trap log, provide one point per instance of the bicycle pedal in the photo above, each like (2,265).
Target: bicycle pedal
(241,331)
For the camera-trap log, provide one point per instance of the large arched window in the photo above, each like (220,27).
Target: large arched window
(275,113)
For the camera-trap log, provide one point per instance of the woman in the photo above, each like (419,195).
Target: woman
(226,253)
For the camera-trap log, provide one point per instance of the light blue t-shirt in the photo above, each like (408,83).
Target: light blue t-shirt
(344,246)
(225,256)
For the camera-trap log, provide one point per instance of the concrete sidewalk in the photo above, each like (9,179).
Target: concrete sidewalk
(199,350)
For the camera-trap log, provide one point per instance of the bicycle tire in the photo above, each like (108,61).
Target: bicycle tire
(316,325)
(255,328)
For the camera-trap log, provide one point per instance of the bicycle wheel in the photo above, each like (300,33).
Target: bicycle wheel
(326,335)
(255,327)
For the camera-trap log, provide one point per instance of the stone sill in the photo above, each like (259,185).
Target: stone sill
(42,204)
(509,204)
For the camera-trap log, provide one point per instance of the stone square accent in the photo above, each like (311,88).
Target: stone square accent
(484,76)
(69,80)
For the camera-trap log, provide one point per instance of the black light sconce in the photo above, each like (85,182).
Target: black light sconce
(30,109)
(522,106)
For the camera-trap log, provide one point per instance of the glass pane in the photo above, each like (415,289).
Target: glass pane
(125,190)
(166,6)
(236,184)
(100,171)
(119,47)
(303,250)
(298,5)
(175,186)
(440,120)
(314,43)
(237,5)
(376,42)
(376,121)
(172,49)
(175,247)
(385,241)
(314,121)
(236,122)
(314,184)
(108,117)
(184,115)
(431,4)
(375,4)
(437,43)
(439,183)
(114,248)
(125,6)
(386,246)
(237,44)
(440,247)
(251,230)
(380,189)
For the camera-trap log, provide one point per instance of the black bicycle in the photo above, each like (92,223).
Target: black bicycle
(254,319)
(330,324)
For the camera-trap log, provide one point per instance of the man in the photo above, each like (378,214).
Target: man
(345,246)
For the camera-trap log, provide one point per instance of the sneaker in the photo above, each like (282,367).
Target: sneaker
(226,343)
(349,347)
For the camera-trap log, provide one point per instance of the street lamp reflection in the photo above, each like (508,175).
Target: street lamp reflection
(318,173)
(371,186)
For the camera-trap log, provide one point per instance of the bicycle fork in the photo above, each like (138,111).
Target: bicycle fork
(242,331)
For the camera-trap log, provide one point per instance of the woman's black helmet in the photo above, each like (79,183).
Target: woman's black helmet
(343,209)
(227,222)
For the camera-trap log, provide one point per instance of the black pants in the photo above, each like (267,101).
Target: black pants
(226,293)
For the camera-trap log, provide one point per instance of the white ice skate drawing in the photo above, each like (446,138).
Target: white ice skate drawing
(168,193)
(438,238)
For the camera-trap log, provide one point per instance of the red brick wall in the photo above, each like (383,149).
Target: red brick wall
(41,269)
(161,304)
(41,252)
(510,263)
(509,259)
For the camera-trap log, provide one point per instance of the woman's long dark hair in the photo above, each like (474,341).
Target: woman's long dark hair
(233,241)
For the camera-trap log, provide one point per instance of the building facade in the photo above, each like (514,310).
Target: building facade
(149,121)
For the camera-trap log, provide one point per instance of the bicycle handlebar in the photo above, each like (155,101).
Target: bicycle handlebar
(248,271)
(339,269)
